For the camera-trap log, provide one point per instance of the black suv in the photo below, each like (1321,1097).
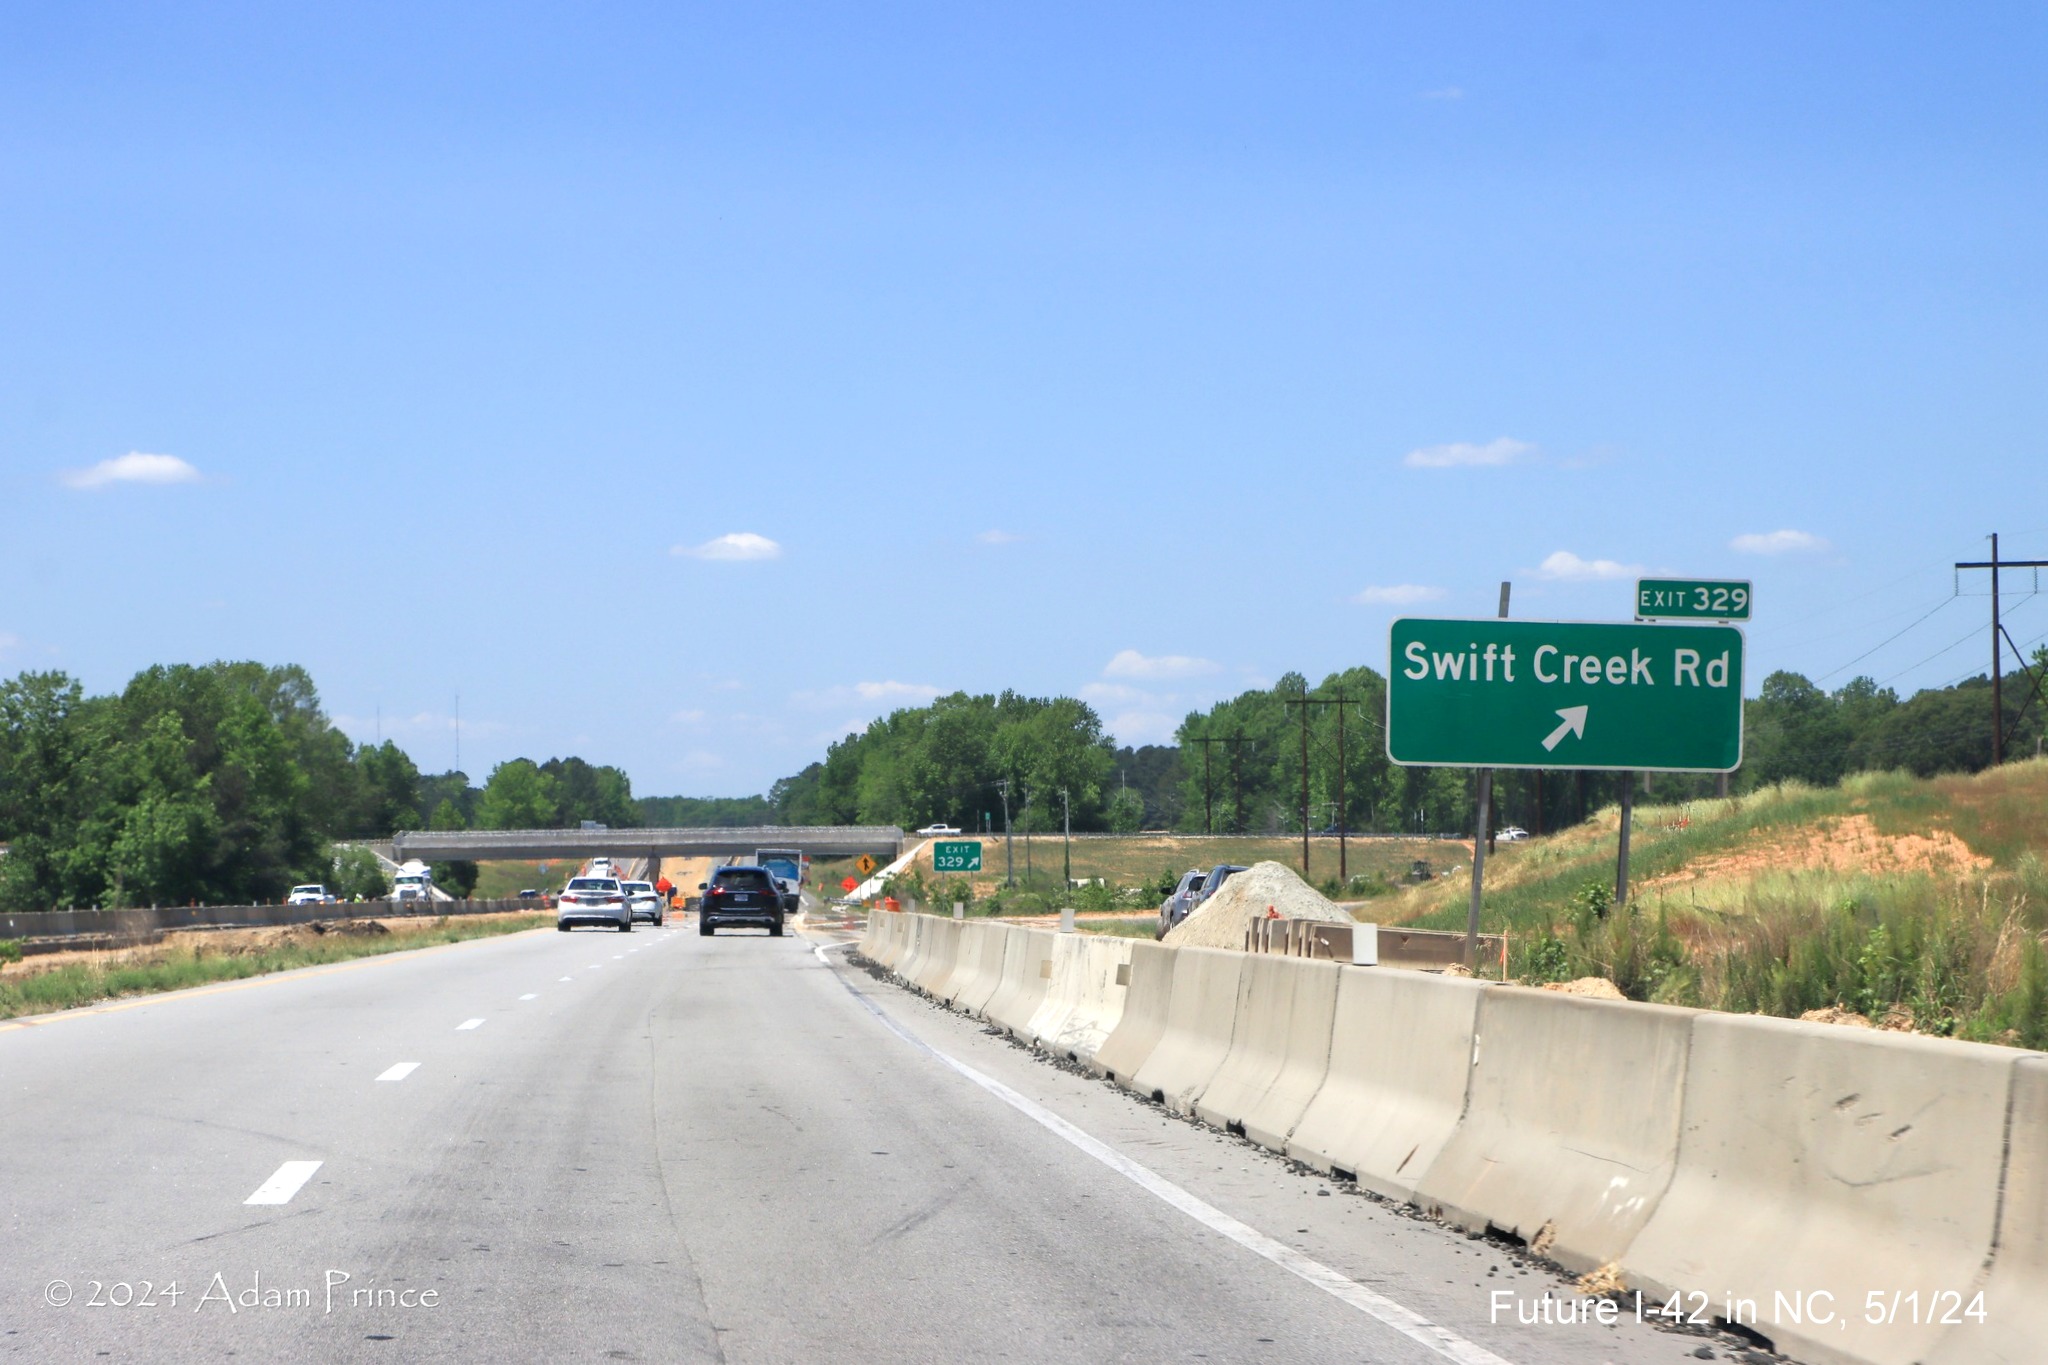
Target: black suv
(740,895)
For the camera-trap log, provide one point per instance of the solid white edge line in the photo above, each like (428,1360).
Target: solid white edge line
(399,1071)
(285,1183)
(1398,1316)
(468,1024)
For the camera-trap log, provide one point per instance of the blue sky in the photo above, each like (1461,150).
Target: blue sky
(682,386)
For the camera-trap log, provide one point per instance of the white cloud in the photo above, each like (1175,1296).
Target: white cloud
(1116,694)
(686,718)
(134,467)
(1398,595)
(1130,663)
(9,642)
(920,693)
(1566,567)
(1778,543)
(1142,727)
(1449,92)
(871,698)
(1499,451)
(736,546)
(996,537)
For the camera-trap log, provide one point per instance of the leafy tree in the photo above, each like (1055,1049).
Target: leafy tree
(359,876)
(517,796)
(584,792)
(1125,811)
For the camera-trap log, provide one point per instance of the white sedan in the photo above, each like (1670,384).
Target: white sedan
(939,829)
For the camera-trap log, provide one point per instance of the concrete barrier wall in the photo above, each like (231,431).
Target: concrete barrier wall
(912,955)
(1279,1048)
(1570,1130)
(940,959)
(1200,1015)
(1400,1056)
(991,944)
(1819,1159)
(1062,990)
(1025,978)
(895,937)
(2015,1324)
(1103,972)
(1143,1020)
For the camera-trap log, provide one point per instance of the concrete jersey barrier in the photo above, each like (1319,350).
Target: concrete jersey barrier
(1026,969)
(1101,972)
(912,956)
(1143,1020)
(1062,989)
(984,976)
(1279,1049)
(941,958)
(2015,1324)
(1400,1057)
(1570,1130)
(1816,1159)
(1201,1013)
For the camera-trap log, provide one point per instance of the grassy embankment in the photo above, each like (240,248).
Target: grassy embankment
(1921,901)
(32,987)
(1142,862)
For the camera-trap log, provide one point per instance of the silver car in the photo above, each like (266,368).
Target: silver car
(646,902)
(594,900)
(1175,908)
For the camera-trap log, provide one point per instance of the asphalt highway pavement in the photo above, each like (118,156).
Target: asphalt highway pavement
(657,1146)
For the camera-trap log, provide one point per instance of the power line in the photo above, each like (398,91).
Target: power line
(1887,640)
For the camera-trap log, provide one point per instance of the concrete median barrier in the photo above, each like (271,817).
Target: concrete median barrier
(1826,1174)
(1570,1130)
(1100,972)
(1143,1020)
(1400,1058)
(2014,1328)
(1201,1013)
(874,940)
(986,947)
(1062,990)
(1286,1009)
(912,957)
(1026,974)
(940,959)
(889,934)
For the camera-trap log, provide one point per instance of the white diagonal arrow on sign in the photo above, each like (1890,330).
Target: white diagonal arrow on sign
(1574,725)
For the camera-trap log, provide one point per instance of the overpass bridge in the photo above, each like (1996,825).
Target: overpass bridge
(483,845)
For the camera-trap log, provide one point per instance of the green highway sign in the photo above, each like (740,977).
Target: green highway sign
(1565,694)
(1692,599)
(961,856)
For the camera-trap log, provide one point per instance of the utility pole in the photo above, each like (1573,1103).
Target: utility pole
(1066,839)
(1343,821)
(1304,779)
(1479,842)
(1009,844)
(1999,638)
(1304,701)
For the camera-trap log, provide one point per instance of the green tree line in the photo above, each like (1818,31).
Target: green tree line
(959,760)
(226,783)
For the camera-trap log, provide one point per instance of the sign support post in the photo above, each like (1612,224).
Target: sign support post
(1628,810)
(1479,843)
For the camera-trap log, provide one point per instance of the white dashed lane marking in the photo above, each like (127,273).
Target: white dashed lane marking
(400,1071)
(565,978)
(531,996)
(469,1023)
(280,1188)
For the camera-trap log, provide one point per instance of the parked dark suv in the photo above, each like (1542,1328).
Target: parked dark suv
(740,895)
